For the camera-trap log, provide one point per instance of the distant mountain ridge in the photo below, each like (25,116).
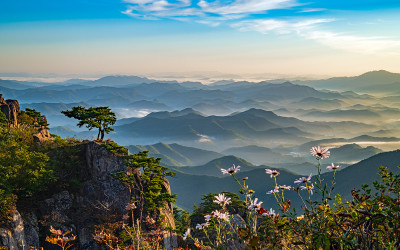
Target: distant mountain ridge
(373,81)
(177,155)
(213,168)
(186,185)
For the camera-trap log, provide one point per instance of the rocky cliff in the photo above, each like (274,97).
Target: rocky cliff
(11,109)
(101,198)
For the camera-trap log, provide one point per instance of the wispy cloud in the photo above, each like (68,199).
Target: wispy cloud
(310,29)
(307,10)
(245,6)
(278,26)
(153,9)
(352,43)
(249,15)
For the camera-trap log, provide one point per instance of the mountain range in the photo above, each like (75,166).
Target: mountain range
(190,187)
(197,129)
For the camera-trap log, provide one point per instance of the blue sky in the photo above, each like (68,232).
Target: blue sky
(144,37)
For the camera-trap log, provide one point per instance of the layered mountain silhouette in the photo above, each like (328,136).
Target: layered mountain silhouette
(187,185)
(177,155)
(371,82)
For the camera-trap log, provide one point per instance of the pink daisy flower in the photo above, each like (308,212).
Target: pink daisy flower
(319,152)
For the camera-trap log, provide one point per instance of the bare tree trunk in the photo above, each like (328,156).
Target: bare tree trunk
(102,134)
(98,135)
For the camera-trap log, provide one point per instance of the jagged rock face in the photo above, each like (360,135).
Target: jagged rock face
(7,239)
(31,229)
(169,238)
(101,198)
(11,109)
(13,237)
(14,111)
(42,136)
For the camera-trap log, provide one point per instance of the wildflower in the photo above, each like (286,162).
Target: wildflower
(303,179)
(308,188)
(319,152)
(54,231)
(201,226)
(186,234)
(271,213)
(221,216)
(262,211)
(283,187)
(100,237)
(207,217)
(245,178)
(250,192)
(125,217)
(272,173)
(230,170)
(130,206)
(254,205)
(222,200)
(273,191)
(300,217)
(333,167)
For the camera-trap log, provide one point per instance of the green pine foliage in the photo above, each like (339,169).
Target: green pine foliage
(36,116)
(114,147)
(182,220)
(23,169)
(28,170)
(152,178)
(94,117)
(3,119)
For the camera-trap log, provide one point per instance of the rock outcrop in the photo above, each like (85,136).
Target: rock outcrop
(42,136)
(169,238)
(100,198)
(13,237)
(11,109)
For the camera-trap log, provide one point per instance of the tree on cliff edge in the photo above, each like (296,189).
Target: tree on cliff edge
(93,117)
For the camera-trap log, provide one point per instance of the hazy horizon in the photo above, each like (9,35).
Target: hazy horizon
(151,37)
(204,77)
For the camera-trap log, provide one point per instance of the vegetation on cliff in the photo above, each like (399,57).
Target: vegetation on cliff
(93,117)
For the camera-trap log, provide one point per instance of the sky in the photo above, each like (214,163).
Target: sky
(239,37)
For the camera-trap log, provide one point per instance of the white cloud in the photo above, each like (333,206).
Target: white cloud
(155,9)
(139,1)
(309,29)
(351,43)
(307,10)
(278,26)
(209,23)
(236,12)
(245,6)
(205,139)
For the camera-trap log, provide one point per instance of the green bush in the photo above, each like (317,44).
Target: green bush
(23,170)
(114,147)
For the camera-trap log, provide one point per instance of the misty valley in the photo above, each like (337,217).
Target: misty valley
(197,129)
